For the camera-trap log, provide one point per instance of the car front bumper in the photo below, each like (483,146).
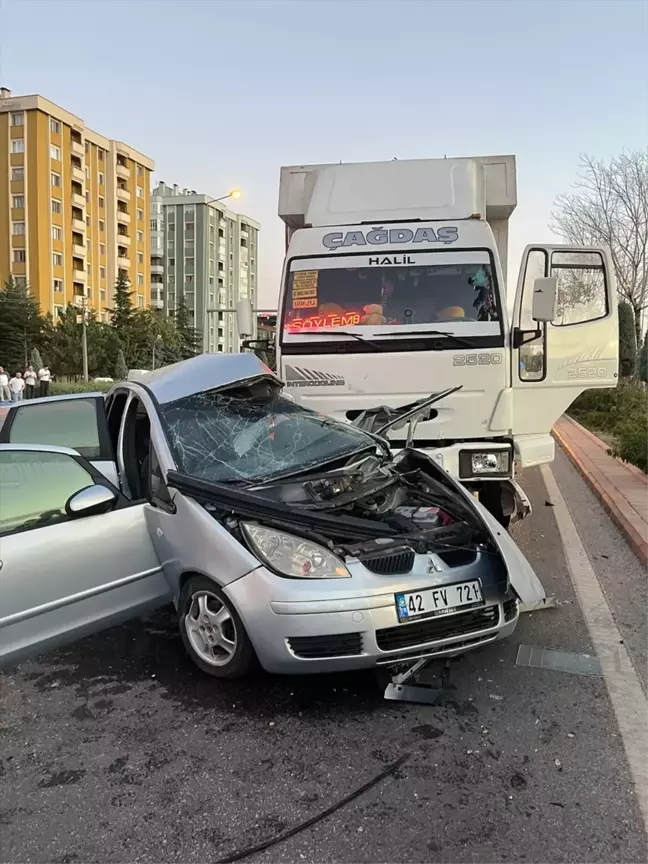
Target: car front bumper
(344,630)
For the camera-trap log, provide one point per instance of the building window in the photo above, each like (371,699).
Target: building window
(19,256)
(100,154)
(102,179)
(18,229)
(17,174)
(18,202)
(102,272)
(140,170)
(102,248)
(102,225)
(154,224)
(87,221)
(140,236)
(55,126)
(55,152)
(57,259)
(57,234)
(189,244)
(140,215)
(140,301)
(58,284)
(56,206)
(140,192)
(140,257)
(189,226)
(18,119)
(56,180)
(189,279)
(18,145)
(140,278)
(101,203)
(189,262)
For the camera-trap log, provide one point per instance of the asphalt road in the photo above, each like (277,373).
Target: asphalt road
(117,749)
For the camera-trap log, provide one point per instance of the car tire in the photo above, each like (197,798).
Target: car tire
(212,631)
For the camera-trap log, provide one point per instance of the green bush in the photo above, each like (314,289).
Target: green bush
(62,388)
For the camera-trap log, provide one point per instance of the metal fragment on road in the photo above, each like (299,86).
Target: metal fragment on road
(558,661)
(545,603)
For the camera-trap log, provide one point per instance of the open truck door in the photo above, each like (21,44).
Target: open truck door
(564,339)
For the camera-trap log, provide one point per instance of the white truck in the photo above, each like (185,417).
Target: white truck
(394,288)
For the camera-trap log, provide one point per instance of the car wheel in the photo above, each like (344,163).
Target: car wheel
(212,631)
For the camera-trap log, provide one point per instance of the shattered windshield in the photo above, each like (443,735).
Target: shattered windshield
(226,436)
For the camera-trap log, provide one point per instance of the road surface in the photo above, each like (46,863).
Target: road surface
(118,749)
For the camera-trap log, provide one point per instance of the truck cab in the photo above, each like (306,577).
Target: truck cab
(394,288)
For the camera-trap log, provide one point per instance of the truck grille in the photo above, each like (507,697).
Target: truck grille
(390,563)
(436,629)
(321,647)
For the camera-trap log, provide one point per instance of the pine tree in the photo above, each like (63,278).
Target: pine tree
(20,324)
(189,339)
(122,311)
(121,370)
(36,359)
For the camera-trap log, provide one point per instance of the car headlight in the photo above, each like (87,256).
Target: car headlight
(497,462)
(293,556)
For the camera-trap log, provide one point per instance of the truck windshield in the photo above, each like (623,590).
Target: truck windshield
(392,291)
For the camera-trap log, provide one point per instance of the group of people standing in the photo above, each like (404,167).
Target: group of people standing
(27,385)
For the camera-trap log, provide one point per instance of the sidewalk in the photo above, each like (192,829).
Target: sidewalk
(622,488)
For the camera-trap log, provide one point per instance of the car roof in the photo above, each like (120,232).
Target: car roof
(47,448)
(201,373)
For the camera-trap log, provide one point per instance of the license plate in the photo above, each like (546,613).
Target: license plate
(431,602)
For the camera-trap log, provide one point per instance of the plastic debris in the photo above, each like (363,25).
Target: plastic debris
(495,697)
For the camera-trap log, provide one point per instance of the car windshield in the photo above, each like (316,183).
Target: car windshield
(389,293)
(226,436)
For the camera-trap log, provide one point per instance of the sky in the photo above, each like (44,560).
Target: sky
(221,93)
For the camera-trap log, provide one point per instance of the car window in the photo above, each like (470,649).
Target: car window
(71,423)
(35,488)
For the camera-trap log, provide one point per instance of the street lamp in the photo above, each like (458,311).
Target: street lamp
(235,194)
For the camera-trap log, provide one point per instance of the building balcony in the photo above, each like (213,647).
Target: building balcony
(122,171)
(79,276)
(123,261)
(78,149)
(157,269)
(78,200)
(123,217)
(123,239)
(123,194)
(157,303)
(79,251)
(79,225)
(78,175)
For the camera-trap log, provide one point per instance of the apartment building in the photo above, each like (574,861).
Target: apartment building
(74,207)
(206,254)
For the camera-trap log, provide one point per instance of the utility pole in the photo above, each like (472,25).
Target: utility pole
(82,302)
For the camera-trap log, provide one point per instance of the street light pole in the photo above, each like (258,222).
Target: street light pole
(82,319)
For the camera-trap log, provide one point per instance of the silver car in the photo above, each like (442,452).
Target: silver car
(281,536)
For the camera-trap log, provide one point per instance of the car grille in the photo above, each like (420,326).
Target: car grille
(510,608)
(436,629)
(319,647)
(390,563)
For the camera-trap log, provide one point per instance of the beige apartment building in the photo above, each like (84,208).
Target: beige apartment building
(74,207)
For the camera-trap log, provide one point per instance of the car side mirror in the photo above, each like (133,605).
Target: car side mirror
(545,293)
(90,501)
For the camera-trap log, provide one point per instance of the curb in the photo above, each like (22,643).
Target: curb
(638,544)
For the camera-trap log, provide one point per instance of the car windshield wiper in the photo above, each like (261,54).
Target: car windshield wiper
(375,345)
(412,334)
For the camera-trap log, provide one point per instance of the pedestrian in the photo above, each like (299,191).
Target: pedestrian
(17,385)
(30,382)
(44,376)
(5,392)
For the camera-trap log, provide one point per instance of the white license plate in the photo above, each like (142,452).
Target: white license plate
(431,602)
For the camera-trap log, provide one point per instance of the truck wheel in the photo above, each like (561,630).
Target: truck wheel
(212,631)
(490,496)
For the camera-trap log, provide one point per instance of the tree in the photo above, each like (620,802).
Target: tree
(36,359)
(121,369)
(642,360)
(188,337)
(21,322)
(609,206)
(122,311)
(627,341)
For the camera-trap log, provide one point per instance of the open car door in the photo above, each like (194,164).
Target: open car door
(75,554)
(77,421)
(554,361)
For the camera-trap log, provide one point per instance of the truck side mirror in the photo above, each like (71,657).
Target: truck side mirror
(545,292)
(244,318)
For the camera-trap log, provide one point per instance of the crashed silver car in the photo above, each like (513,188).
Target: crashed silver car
(282,536)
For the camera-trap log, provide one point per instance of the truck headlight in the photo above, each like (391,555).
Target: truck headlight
(484,463)
(292,556)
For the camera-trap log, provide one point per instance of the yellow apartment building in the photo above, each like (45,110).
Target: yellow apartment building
(74,207)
